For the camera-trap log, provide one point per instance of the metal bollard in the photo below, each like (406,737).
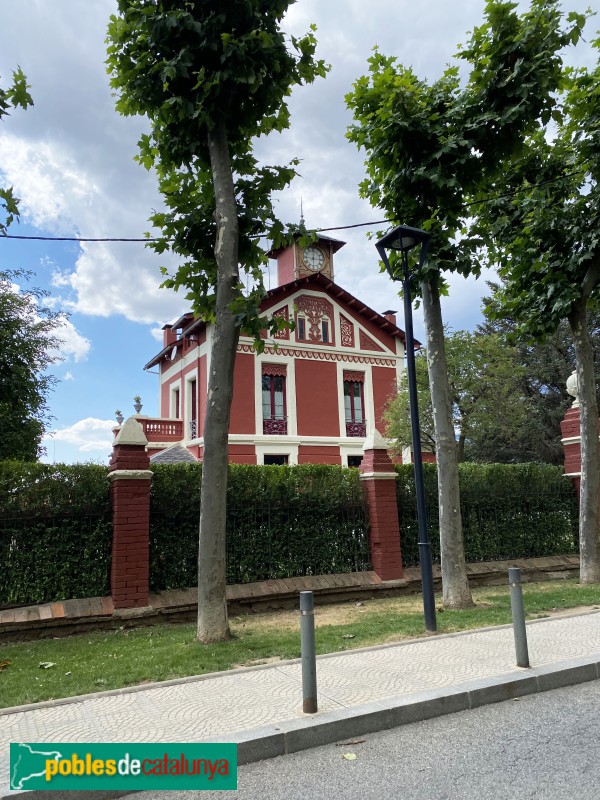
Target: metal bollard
(307,649)
(518,616)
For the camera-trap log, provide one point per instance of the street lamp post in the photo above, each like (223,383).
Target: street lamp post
(404,239)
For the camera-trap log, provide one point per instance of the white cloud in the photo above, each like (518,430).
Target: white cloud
(68,376)
(122,279)
(57,195)
(70,157)
(73,344)
(157,333)
(60,278)
(87,436)
(47,180)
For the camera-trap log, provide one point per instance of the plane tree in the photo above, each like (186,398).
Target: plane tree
(431,149)
(211,76)
(542,231)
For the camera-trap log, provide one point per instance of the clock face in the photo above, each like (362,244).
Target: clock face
(313,258)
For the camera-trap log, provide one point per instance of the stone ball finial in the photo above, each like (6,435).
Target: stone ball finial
(572,388)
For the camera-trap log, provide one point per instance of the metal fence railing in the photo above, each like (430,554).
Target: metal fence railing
(46,557)
(267,541)
(525,524)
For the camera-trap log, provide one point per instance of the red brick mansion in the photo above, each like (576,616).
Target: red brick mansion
(311,396)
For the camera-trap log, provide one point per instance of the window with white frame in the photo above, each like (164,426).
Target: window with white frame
(354,403)
(274,403)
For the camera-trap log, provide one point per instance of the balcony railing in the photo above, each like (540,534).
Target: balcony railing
(356,428)
(162,430)
(193,429)
(275,425)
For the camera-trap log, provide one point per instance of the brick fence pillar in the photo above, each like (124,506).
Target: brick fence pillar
(130,476)
(378,479)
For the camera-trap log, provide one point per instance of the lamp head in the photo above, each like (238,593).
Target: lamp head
(403,238)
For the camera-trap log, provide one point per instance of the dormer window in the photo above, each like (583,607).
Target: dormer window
(314,318)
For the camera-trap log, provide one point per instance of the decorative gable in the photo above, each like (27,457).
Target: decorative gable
(366,343)
(283,313)
(316,310)
(347,331)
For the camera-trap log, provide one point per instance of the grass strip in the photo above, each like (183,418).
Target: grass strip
(91,662)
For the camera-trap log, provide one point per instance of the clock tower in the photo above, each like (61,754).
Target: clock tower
(294,261)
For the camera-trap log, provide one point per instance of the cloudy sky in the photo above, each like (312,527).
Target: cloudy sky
(70,160)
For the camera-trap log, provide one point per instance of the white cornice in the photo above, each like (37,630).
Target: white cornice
(250,439)
(130,474)
(378,476)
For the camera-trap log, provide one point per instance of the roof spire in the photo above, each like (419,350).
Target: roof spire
(302,224)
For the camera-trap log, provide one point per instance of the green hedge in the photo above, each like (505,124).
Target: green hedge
(281,522)
(508,511)
(55,523)
(55,532)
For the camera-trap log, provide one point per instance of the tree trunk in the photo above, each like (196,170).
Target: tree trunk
(589,515)
(212,604)
(455,586)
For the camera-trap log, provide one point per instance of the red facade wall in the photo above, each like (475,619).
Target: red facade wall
(309,454)
(165,395)
(384,385)
(317,398)
(242,409)
(242,454)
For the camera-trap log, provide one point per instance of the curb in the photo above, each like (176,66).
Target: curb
(293,736)
(333,726)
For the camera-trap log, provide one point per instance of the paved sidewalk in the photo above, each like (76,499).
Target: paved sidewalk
(359,691)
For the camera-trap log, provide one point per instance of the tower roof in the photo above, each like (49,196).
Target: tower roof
(336,244)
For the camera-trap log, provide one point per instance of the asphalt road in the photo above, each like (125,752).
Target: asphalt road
(542,746)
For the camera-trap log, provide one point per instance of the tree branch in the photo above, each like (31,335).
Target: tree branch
(591,279)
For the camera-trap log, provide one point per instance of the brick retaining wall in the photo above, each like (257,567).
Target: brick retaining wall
(98,613)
